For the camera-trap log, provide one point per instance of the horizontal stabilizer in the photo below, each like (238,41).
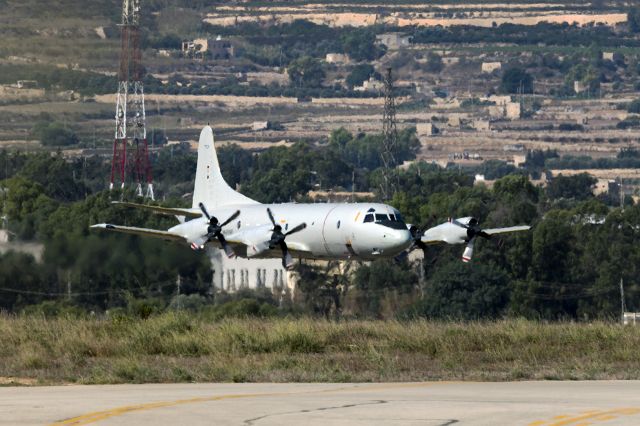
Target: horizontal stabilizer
(141,231)
(162,210)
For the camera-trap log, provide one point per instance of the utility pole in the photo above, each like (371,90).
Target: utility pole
(390,140)
(622,305)
(130,109)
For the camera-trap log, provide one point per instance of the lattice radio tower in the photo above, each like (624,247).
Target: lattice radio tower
(131,132)
(390,139)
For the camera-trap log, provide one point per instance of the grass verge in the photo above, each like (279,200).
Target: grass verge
(182,348)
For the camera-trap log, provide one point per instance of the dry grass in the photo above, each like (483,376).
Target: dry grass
(182,348)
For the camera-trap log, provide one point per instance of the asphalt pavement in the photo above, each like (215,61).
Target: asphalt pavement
(265,404)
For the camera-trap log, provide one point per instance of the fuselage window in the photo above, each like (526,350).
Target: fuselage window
(239,224)
(286,226)
(368,218)
(381,217)
(338,225)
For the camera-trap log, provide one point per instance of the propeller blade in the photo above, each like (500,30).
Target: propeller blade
(233,216)
(204,211)
(273,221)
(223,242)
(468,251)
(457,223)
(287,260)
(296,229)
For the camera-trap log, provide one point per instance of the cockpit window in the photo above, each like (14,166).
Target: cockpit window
(381,217)
(392,220)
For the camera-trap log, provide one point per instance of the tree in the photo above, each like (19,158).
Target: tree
(634,107)
(516,80)
(55,174)
(54,134)
(434,63)
(306,72)
(461,291)
(633,17)
(379,280)
(360,73)
(339,138)
(360,45)
(577,187)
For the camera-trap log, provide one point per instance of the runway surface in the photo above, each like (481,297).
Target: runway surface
(264,404)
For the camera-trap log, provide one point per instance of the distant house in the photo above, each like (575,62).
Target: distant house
(220,49)
(371,85)
(500,100)
(337,58)
(489,67)
(426,129)
(260,125)
(394,40)
(580,87)
(510,110)
(202,48)
(26,84)
(454,121)
(481,125)
(450,60)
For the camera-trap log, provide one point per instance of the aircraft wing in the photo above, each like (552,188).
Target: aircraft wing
(495,231)
(431,240)
(172,211)
(256,240)
(141,231)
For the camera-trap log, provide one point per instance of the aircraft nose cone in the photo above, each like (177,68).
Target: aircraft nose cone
(398,239)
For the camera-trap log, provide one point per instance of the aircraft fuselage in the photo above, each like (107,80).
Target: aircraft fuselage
(363,231)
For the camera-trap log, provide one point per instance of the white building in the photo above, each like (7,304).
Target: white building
(337,58)
(235,274)
(371,85)
(394,40)
(489,67)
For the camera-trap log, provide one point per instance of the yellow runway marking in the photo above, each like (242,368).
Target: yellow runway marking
(587,418)
(97,416)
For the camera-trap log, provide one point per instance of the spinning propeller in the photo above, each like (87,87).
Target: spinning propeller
(417,243)
(278,237)
(214,230)
(473,231)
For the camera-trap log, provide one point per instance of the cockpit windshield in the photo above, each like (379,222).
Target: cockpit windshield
(392,220)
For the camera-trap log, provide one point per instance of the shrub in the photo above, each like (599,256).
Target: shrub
(54,134)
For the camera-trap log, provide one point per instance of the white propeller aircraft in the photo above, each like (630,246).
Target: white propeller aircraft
(364,231)
(331,231)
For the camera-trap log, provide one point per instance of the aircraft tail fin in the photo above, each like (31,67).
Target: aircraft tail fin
(210,188)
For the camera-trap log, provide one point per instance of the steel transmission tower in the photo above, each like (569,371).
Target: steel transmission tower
(390,139)
(130,111)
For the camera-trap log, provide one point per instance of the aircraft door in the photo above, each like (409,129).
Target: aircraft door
(337,232)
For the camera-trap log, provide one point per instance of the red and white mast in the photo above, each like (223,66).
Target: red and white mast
(130,111)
